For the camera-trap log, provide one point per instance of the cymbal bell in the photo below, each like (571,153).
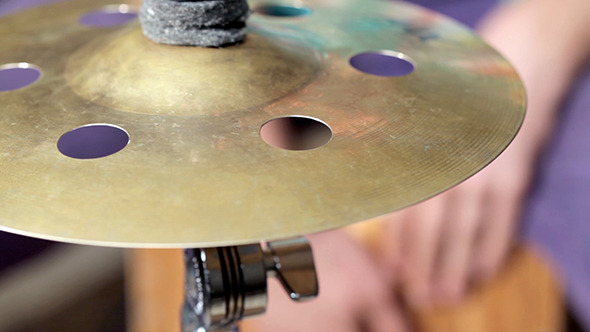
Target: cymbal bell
(124,142)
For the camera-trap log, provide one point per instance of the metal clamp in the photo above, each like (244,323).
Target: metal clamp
(226,284)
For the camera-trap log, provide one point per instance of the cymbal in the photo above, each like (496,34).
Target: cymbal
(328,114)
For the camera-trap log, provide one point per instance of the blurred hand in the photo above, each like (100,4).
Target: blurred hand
(355,295)
(464,235)
(460,236)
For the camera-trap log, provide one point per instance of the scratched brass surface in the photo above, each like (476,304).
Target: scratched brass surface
(196,172)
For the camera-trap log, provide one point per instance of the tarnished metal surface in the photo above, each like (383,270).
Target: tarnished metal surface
(196,172)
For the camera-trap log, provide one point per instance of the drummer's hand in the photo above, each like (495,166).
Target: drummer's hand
(460,236)
(464,235)
(354,294)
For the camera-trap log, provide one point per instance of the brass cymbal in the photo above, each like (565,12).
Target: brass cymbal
(186,165)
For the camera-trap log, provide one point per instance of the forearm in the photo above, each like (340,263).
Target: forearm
(553,30)
(548,41)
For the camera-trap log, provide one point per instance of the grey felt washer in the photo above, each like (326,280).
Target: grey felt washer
(208,23)
(198,37)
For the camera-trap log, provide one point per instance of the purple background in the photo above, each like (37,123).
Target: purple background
(93,141)
(101,18)
(381,64)
(16,78)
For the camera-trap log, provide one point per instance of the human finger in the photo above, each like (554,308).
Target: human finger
(421,229)
(386,317)
(454,261)
(496,232)
(322,314)
(390,250)
(363,287)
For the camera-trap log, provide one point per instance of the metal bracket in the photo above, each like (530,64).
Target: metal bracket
(227,284)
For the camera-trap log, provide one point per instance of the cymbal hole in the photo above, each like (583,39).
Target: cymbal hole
(282,10)
(109,16)
(296,133)
(18,75)
(383,63)
(93,141)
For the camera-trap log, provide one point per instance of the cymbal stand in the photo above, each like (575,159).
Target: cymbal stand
(226,284)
